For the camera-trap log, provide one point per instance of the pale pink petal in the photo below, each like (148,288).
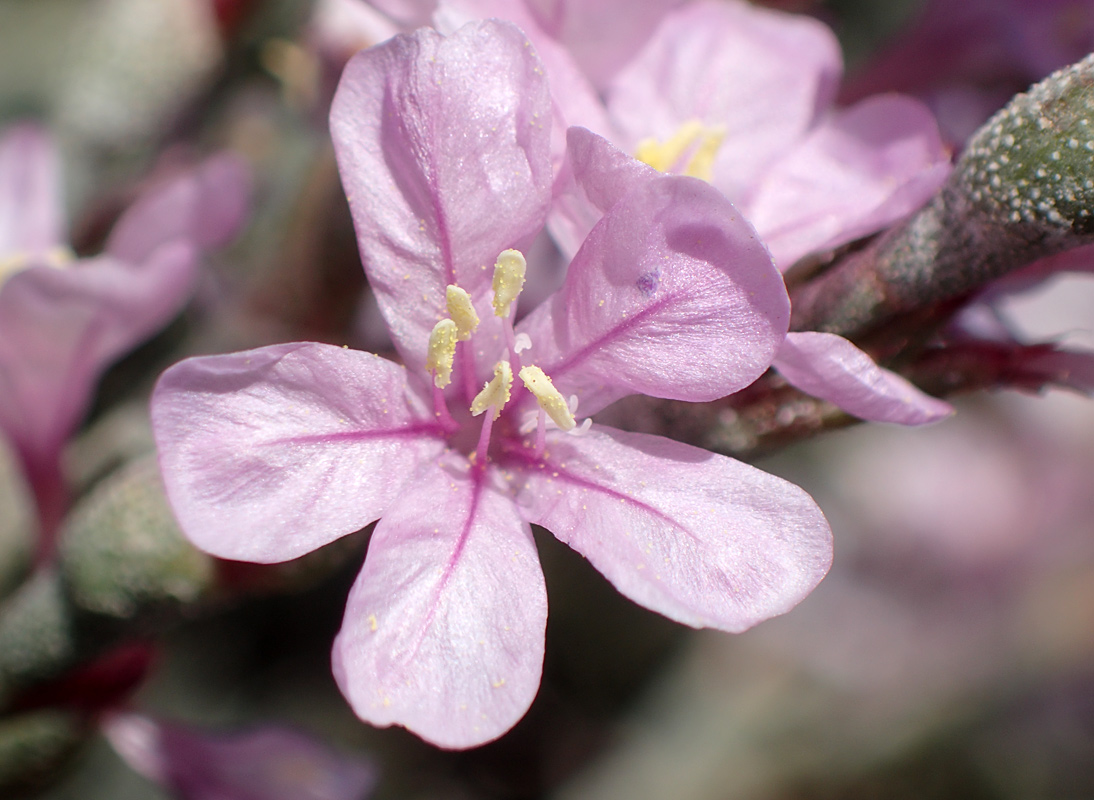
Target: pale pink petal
(265,763)
(443,145)
(271,453)
(573,99)
(594,177)
(762,76)
(59,328)
(339,28)
(407,13)
(672,295)
(701,538)
(831,368)
(32,214)
(572,215)
(207,206)
(444,628)
(603,35)
(859,172)
(603,171)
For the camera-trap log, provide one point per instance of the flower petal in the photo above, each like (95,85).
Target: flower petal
(444,628)
(573,99)
(270,762)
(206,206)
(602,171)
(408,13)
(701,538)
(443,146)
(831,368)
(31,208)
(594,177)
(59,328)
(860,171)
(581,25)
(271,453)
(762,75)
(672,295)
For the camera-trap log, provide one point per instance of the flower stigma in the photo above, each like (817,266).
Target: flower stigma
(694,140)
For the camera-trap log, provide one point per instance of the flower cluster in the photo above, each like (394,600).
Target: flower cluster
(741,97)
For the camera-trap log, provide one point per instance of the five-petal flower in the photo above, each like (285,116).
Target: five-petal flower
(444,149)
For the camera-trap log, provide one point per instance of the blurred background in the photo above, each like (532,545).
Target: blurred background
(950,652)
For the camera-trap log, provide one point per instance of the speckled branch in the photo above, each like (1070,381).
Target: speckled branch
(1022,190)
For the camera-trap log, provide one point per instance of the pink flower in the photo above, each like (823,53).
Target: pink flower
(267,763)
(63,320)
(758,88)
(443,145)
(967,59)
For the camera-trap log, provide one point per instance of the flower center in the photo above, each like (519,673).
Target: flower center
(459,326)
(689,151)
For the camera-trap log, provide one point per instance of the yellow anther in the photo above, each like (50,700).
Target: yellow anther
(462,311)
(548,397)
(495,394)
(662,156)
(701,164)
(508,280)
(692,135)
(442,352)
(59,257)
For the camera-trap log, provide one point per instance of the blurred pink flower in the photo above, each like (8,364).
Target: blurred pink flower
(268,454)
(266,763)
(63,320)
(743,97)
(967,59)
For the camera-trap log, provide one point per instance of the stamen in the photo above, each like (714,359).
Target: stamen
(668,156)
(482,450)
(441,352)
(495,394)
(440,410)
(58,257)
(462,311)
(701,164)
(541,432)
(548,397)
(662,156)
(508,280)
